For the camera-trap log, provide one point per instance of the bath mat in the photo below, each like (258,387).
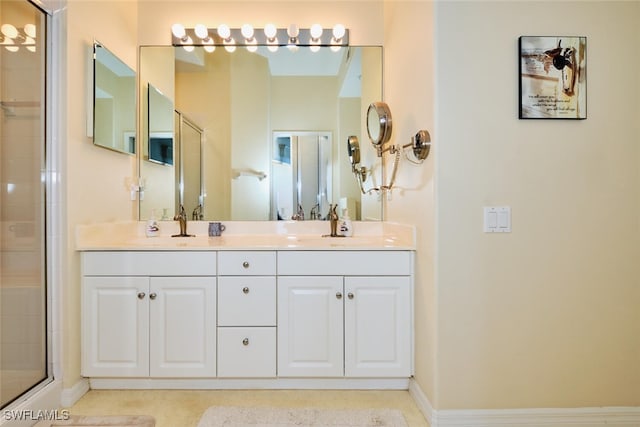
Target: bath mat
(284,417)
(108,421)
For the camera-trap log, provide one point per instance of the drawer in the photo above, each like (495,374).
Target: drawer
(247,263)
(246,301)
(345,263)
(247,352)
(149,263)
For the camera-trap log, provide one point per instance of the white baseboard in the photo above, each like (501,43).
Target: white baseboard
(71,395)
(533,417)
(250,383)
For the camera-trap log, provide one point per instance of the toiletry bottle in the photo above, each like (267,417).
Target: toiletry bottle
(346,228)
(152,229)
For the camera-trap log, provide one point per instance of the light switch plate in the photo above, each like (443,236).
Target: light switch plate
(497,219)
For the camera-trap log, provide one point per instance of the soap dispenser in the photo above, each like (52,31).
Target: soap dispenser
(346,228)
(152,229)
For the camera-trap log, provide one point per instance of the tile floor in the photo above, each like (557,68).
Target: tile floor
(183,408)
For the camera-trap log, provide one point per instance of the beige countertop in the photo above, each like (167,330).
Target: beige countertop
(245,235)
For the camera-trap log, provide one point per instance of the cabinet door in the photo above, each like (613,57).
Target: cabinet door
(115,327)
(378,326)
(310,319)
(182,327)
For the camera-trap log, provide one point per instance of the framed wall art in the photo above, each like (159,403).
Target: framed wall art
(553,80)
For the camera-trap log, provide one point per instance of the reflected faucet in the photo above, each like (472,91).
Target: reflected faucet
(181,217)
(299,216)
(314,214)
(197,213)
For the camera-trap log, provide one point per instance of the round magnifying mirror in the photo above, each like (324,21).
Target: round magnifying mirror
(353,147)
(379,123)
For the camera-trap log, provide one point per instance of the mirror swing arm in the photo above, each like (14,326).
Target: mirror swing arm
(379,128)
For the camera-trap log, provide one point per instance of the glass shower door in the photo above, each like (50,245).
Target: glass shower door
(23,293)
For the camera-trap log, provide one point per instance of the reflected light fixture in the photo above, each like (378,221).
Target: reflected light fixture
(293,31)
(270,32)
(315,32)
(13,38)
(225,34)
(249,39)
(338,33)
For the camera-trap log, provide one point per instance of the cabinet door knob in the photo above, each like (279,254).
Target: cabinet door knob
(339,295)
(141,295)
(153,295)
(245,290)
(350,295)
(245,264)
(245,341)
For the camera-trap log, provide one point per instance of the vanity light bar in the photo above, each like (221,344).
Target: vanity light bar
(268,36)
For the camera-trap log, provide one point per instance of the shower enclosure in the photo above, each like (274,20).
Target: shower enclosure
(23,291)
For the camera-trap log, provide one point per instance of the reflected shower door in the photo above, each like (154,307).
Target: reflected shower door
(23,294)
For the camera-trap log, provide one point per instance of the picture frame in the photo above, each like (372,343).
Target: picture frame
(553,79)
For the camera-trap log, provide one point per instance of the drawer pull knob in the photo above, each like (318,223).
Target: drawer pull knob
(141,295)
(245,341)
(339,295)
(350,295)
(245,290)
(153,295)
(245,264)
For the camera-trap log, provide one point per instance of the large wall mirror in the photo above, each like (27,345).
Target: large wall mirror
(273,130)
(114,102)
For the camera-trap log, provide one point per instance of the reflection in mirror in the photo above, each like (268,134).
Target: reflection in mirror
(242,100)
(301,171)
(114,101)
(189,183)
(158,156)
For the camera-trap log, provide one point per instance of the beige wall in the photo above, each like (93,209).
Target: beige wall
(95,178)
(548,315)
(409,92)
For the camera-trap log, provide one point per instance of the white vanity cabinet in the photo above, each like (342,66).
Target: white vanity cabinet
(149,314)
(246,314)
(344,313)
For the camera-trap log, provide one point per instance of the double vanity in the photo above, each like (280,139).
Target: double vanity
(266,305)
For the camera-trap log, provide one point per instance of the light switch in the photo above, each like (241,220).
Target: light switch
(497,219)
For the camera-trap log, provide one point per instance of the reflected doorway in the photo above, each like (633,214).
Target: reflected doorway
(301,168)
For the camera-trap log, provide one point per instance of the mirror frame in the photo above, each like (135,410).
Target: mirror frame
(379,123)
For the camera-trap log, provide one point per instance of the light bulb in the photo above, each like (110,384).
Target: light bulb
(188,44)
(9,31)
(230,48)
(272,48)
(178,31)
(270,31)
(314,48)
(30,30)
(224,31)
(316,31)
(247,32)
(201,31)
(338,31)
(293,31)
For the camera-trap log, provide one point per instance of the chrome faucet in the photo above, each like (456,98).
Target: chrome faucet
(333,218)
(181,217)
